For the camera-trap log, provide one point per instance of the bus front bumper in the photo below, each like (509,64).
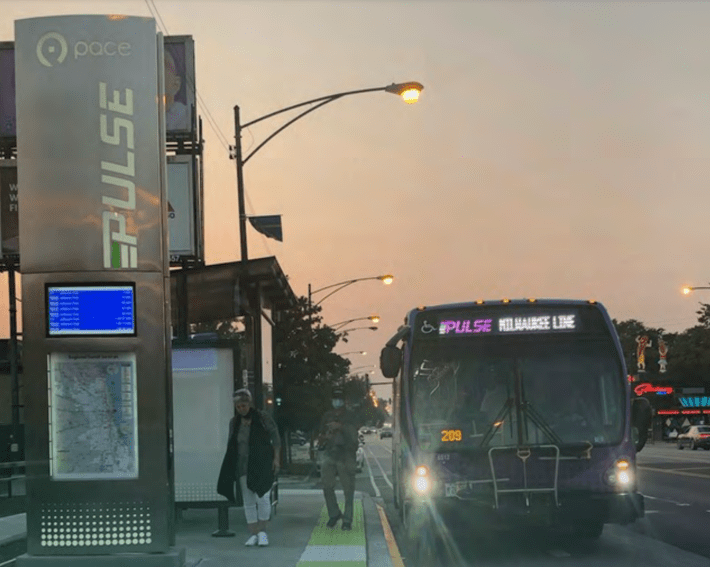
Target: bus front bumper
(572,508)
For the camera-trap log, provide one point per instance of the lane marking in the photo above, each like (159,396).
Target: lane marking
(678,456)
(559,553)
(665,500)
(679,473)
(389,538)
(384,474)
(372,477)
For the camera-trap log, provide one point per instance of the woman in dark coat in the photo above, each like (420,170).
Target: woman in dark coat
(252,458)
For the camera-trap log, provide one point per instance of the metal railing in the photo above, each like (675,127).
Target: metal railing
(17,472)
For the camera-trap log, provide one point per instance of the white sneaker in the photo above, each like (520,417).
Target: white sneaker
(263,539)
(251,542)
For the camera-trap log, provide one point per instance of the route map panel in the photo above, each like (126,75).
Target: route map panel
(94,426)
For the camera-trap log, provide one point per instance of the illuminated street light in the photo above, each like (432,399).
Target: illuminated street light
(352,352)
(373,318)
(689,289)
(387,279)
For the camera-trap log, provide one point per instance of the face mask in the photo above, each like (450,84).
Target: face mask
(338,403)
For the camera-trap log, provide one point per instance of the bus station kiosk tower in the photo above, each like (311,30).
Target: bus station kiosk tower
(95,292)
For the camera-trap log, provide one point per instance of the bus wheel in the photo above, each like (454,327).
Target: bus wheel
(589,530)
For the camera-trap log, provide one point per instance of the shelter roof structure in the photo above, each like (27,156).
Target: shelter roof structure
(214,293)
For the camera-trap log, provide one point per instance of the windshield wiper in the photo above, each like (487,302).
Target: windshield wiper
(524,411)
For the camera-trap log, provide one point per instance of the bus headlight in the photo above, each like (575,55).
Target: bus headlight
(621,474)
(421,481)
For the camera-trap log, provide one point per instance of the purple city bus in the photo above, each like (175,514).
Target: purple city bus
(512,411)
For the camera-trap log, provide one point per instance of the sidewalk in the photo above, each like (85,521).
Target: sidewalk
(298,535)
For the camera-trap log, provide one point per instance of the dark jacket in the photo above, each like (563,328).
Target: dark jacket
(260,474)
(340,442)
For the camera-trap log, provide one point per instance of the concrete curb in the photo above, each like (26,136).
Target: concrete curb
(13,529)
(378,554)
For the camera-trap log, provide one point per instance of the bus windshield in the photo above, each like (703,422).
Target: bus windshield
(522,391)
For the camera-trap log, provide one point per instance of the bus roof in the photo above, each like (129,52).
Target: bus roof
(493,302)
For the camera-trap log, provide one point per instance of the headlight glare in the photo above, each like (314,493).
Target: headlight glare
(421,484)
(621,474)
(421,481)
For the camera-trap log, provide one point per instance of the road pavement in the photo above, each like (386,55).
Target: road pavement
(677,489)
(676,486)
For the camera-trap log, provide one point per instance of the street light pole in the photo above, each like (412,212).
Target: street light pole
(387,279)
(409,91)
(240,187)
(358,329)
(373,318)
(688,289)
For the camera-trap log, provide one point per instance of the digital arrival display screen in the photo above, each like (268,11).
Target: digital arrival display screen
(86,310)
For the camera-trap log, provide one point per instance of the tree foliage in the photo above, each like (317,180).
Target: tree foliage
(688,352)
(368,410)
(305,366)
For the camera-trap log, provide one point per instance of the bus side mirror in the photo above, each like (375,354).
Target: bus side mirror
(641,416)
(390,361)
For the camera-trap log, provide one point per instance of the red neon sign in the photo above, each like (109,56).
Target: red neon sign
(669,412)
(647,388)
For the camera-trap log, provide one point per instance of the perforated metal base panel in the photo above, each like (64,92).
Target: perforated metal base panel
(173,558)
(98,527)
(197,492)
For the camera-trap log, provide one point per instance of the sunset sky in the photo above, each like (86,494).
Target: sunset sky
(559,149)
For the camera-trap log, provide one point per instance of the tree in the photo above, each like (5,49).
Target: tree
(305,366)
(688,352)
(628,331)
(689,356)
(704,315)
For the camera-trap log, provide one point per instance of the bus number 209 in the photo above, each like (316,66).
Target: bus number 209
(450,435)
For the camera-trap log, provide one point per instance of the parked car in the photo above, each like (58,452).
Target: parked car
(298,438)
(695,436)
(385,432)
(360,457)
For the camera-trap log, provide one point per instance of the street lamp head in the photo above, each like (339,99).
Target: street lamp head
(687,289)
(374,318)
(387,279)
(409,91)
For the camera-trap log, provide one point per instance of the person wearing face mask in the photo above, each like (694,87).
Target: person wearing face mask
(252,459)
(338,436)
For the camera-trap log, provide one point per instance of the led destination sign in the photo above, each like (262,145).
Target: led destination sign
(80,310)
(506,324)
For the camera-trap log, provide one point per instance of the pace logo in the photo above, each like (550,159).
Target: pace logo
(52,48)
(51,43)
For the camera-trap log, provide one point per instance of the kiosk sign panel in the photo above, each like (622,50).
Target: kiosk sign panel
(93,243)
(88,143)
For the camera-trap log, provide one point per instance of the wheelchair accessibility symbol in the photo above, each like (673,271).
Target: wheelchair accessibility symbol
(427,328)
